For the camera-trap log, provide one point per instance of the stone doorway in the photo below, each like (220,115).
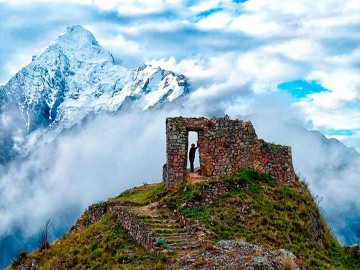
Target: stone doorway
(193,138)
(200,152)
(225,145)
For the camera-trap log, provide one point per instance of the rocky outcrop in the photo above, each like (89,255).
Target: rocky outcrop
(230,254)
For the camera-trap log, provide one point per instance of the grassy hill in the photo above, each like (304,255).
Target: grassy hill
(248,208)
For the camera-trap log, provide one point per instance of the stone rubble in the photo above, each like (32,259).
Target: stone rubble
(230,254)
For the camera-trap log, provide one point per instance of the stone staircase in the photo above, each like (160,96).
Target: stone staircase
(177,236)
(157,228)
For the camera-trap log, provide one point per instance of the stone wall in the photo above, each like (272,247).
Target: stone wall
(211,192)
(129,221)
(225,145)
(136,228)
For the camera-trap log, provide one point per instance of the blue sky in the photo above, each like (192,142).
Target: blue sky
(301,88)
(295,60)
(304,52)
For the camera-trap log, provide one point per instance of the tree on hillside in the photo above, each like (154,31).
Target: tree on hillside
(44,236)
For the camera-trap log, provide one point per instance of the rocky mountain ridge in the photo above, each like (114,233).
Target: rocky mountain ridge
(75,76)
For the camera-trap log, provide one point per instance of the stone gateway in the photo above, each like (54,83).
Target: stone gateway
(225,145)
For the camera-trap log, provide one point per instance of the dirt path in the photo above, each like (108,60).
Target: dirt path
(152,208)
(148,210)
(195,177)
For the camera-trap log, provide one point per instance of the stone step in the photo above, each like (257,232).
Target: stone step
(171,222)
(163,217)
(178,238)
(169,230)
(182,237)
(180,242)
(167,219)
(178,246)
(163,224)
(173,235)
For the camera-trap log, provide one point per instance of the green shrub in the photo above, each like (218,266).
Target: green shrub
(243,175)
(22,254)
(160,241)
(316,263)
(98,252)
(287,191)
(159,266)
(196,196)
(162,258)
(253,188)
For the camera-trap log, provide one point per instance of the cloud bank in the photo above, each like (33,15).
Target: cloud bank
(59,180)
(113,153)
(235,53)
(217,44)
(110,153)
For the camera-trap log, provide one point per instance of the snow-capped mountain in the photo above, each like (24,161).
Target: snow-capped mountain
(74,76)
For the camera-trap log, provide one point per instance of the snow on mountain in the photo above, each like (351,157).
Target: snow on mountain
(74,75)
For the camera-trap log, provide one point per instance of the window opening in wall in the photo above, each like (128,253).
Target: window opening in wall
(193,139)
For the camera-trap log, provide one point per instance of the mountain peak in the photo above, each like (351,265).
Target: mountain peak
(78,43)
(74,75)
(78,35)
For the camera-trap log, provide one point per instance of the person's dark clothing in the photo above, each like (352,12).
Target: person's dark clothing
(192,154)
(192,157)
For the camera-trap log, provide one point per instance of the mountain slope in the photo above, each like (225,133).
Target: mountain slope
(74,76)
(256,210)
(332,169)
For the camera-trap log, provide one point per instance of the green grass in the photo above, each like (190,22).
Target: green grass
(257,210)
(20,258)
(270,214)
(103,245)
(141,195)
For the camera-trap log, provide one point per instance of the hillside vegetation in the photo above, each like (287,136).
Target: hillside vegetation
(254,210)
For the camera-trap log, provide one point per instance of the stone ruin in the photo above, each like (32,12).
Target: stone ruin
(225,145)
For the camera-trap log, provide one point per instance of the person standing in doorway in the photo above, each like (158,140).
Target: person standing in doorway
(192,155)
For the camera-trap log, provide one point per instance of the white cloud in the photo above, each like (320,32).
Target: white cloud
(204,6)
(110,154)
(338,108)
(235,56)
(284,41)
(304,50)
(353,140)
(267,69)
(256,25)
(121,44)
(19,61)
(218,20)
